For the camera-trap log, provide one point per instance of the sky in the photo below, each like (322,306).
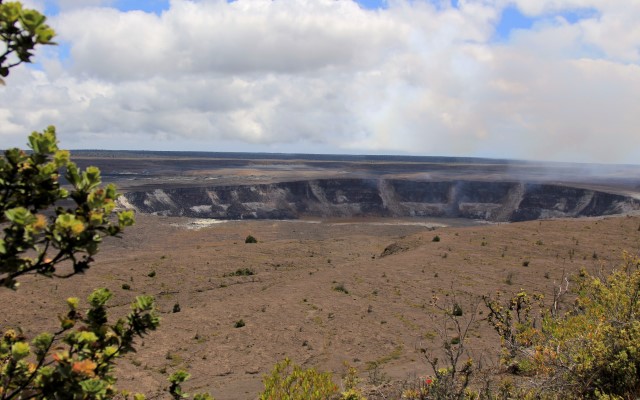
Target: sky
(555,80)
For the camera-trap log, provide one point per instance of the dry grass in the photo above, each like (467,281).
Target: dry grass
(289,306)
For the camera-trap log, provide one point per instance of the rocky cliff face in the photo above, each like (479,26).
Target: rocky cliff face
(331,198)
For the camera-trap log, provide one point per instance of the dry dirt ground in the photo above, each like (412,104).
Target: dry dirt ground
(294,306)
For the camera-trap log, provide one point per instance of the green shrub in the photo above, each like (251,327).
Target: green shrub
(45,224)
(589,351)
(289,381)
(20,31)
(250,239)
(241,272)
(175,390)
(341,288)
(436,238)
(239,323)
(77,361)
(38,233)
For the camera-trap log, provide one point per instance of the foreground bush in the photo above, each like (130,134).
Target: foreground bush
(77,361)
(44,224)
(289,381)
(590,351)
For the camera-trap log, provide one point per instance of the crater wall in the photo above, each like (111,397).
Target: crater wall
(352,197)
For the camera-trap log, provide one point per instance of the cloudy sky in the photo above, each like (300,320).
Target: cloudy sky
(528,79)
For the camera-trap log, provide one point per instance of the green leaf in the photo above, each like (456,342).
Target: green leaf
(69,223)
(61,158)
(20,350)
(143,303)
(203,396)
(86,337)
(20,216)
(179,376)
(126,218)
(32,19)
(73,174)
(42,342)
(99,297)
(94,387)
(91,178)
(72,302)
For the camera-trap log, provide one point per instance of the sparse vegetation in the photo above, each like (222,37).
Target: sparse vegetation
(289,381)
(588,351)
(340,288)
(241,272)
(585,352)
(250,239)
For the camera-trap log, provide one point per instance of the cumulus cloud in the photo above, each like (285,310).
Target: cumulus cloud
(418,77)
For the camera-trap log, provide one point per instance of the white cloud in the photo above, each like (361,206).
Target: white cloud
(303,75)
(240,37)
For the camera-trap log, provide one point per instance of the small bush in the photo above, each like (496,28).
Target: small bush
(151,274)
(78,361)
(241,272)
(176,308)
(250,239)
(436,238)
(589,351)
(290,381)
(340,288)
(457,310)
(126,286)
(525,263)
(239,323)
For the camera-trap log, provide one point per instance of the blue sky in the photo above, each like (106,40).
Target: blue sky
(530,79)
(511,17)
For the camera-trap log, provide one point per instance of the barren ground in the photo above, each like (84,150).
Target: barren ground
(290,306)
